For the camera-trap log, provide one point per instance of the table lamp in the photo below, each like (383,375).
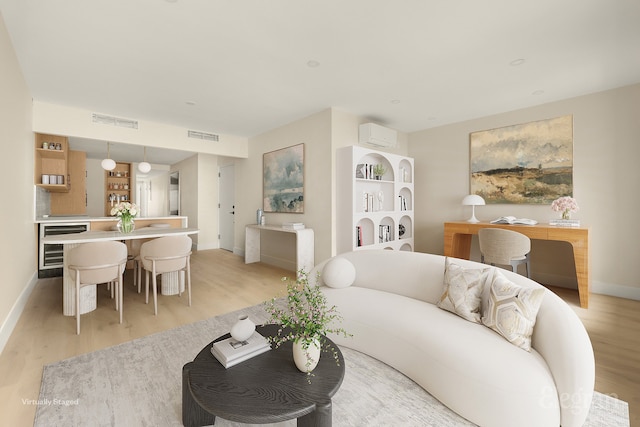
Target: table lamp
(473,200)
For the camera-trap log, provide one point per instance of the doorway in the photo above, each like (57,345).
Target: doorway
(226,191)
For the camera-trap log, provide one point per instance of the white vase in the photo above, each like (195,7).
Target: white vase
(306,360)
(243,328)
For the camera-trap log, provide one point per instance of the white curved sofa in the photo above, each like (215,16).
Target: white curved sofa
(390,309)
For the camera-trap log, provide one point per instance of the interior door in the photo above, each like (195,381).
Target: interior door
(226,206)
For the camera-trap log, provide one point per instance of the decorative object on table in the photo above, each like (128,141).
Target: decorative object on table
(305,321)
(473,200)
(126,212)
(259,214)
(530,163)
(230,351)
(283,180)
(566,206)
(243,328)
(378,171)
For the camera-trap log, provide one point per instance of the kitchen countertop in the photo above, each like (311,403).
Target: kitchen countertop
(86,218)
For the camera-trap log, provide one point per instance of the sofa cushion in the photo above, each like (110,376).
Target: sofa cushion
(511,310)
(463,290)
(338,273)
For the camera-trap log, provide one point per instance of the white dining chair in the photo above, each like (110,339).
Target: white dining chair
(94,263)
(165,255)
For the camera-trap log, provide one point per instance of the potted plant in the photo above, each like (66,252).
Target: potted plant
(566,206)
(378,171)
(305,319)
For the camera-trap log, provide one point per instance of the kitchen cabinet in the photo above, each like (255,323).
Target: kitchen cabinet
(51,162)
(73,202)
(118,186)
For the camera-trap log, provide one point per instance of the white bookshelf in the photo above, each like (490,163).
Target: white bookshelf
(384,211)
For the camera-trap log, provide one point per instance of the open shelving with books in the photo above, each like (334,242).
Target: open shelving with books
(375,200)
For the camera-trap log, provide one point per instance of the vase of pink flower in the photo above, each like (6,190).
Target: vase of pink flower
(565,205)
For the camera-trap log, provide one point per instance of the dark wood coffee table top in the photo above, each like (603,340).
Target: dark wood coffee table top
(264,389)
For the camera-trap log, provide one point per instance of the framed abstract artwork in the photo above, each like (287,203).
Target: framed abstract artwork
(283,180)
(530,163)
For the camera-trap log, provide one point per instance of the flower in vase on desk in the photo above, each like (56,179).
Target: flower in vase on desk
(567,205)
(125,211)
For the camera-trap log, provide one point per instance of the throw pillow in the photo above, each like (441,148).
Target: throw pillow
(338,273)
(462,290)
(511,310)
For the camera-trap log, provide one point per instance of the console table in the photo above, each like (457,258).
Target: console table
(304,245)
(457,243)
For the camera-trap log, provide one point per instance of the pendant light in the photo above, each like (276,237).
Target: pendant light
(108,164)
(144,167)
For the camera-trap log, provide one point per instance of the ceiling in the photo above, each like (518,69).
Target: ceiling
(246,66)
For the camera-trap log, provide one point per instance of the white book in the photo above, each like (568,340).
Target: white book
(229,350)
(293,225)
(565,222)
(514,220)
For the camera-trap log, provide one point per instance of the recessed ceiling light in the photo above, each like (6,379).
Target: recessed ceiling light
(517,62)
(313,64)
(395,101)
(190,103)
(171,1)
(537,92)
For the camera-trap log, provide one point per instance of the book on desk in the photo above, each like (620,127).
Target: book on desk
(514,220)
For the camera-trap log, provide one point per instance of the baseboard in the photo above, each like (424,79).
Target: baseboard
(16,311)
(597,287)
(204,247)
(278,262)
(238,251)
(615,290)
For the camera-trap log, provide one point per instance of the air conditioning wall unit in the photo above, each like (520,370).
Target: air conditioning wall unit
(380,136)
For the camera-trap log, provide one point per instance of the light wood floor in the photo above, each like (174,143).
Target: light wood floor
(223,283)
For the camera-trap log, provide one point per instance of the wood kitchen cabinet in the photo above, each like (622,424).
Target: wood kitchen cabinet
(73,202)
(51,164)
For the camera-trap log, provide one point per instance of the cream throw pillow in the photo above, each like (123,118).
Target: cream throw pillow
(511,310)
(463,290)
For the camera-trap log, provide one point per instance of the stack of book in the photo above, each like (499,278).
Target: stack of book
(565,222)
(230,352)
(293,226)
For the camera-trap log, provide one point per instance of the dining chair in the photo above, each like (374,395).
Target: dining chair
(94,263)
(134,246)
(165,255)
(504,247)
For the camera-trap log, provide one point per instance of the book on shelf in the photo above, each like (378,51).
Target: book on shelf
(358,236)
(514,220)
(230,351)
(565,222)
(293,225)
(384,233)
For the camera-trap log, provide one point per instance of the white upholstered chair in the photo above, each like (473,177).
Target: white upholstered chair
(504,247)
(95,263)
(165,255)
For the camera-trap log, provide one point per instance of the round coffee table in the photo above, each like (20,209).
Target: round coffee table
(267,388)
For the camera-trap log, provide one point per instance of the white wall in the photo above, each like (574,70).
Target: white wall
(606,178)
(18,259)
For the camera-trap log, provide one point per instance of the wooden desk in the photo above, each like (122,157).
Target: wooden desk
(457,243)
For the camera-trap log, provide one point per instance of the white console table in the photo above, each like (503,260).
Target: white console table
(304,245)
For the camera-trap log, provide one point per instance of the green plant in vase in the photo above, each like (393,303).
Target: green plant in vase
(378,171)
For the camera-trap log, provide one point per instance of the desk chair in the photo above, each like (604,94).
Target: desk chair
(165,255)
(504,247)
(95,263)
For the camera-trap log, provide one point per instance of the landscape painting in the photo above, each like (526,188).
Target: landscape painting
(283,180)
(529,163)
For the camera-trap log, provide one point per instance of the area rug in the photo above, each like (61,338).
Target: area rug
(140,383)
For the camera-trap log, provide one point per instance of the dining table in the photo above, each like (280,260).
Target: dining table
(172,283)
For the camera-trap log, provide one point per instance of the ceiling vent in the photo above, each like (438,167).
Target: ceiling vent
(203,135)
(114,121)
